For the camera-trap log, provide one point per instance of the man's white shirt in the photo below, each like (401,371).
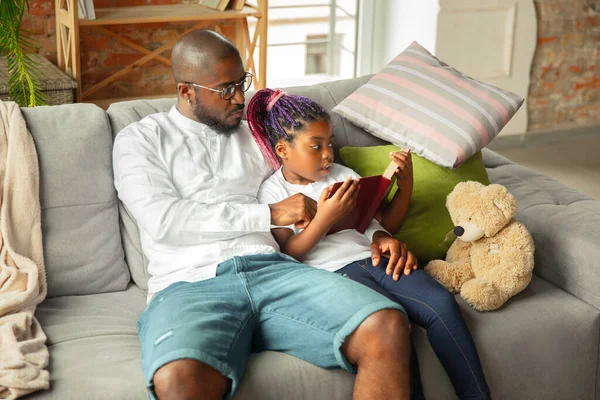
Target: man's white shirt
(193,193)
(333,251)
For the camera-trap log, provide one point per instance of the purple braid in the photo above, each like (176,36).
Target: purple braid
(290,114)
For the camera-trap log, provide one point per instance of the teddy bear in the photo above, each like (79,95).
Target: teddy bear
(491,259)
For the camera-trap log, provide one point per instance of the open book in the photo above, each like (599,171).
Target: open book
(373,190)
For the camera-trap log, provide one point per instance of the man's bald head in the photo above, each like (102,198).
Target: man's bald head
(196,52)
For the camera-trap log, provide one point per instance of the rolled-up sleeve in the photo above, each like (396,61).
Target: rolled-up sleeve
(270,193)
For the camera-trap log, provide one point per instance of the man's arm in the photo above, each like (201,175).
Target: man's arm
(297,210)
(146,189)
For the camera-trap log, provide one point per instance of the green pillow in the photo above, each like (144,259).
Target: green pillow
(427,221)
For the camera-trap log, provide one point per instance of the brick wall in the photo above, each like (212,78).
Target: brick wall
(565,75)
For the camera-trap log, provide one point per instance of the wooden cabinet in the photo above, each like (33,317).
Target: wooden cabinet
(68,26)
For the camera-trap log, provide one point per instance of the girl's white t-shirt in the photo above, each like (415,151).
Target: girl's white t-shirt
(333,251)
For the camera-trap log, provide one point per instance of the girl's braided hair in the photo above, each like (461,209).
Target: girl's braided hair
(274,115)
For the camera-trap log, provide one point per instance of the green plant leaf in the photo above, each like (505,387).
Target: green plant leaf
(23,84)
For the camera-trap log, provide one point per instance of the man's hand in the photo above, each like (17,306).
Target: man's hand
(399,256)
(404,172)
(332,209)
(297,209)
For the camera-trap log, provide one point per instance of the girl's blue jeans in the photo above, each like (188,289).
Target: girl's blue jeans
(432,306)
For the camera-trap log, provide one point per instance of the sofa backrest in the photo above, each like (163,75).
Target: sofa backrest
(120,115)
(124,113)
(82,244)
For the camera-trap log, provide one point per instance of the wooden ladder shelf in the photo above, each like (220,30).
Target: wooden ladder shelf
(68,25)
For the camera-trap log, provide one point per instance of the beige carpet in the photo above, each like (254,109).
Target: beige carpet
(574,162)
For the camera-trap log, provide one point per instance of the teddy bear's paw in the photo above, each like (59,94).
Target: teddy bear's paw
(481,295)
(436,268)
(442,271)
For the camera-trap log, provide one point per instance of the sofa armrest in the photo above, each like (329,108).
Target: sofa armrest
(564,223)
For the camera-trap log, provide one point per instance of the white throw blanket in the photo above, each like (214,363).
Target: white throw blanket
(23,352)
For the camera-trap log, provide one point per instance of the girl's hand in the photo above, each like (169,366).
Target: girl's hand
(404,172)
(332,209)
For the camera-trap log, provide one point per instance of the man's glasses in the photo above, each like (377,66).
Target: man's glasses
(229,91)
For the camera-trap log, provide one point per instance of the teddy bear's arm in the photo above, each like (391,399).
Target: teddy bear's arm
(456,270)
(451,275)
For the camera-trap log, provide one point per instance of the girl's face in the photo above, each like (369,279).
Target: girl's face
(310,155)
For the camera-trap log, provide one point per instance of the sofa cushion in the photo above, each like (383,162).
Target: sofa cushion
(419,102)
(94,347)
(346,133)
(95,353)
(82,245)
(277,376)
(542,344)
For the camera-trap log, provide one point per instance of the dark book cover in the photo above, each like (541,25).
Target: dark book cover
(372,191)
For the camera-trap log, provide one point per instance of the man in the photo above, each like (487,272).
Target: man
(219,288)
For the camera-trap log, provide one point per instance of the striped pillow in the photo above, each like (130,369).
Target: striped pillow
(419,102)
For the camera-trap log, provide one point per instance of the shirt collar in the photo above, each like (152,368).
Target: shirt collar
(311,186)
(187,123)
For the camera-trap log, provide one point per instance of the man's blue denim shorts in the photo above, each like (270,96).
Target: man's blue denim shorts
(255,303)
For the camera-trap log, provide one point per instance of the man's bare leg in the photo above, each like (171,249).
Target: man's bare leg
(380,348)
(189,379)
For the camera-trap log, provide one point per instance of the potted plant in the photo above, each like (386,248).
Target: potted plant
(23,85)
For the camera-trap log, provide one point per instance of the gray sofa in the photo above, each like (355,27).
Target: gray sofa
(543,344)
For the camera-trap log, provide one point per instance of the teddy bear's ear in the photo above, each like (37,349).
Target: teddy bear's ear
(503,200)
(462,190)
(468,185)
(466,188)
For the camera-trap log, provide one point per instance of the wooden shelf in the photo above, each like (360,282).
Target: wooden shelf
(164,13)
(68,42)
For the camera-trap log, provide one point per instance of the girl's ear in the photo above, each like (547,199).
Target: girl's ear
(281,148)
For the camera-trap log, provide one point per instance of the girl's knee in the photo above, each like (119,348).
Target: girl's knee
(441,305)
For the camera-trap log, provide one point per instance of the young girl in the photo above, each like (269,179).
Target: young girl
(295,135)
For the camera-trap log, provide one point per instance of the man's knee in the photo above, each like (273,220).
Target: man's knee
(186,379)
(383,333)
(388,323)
